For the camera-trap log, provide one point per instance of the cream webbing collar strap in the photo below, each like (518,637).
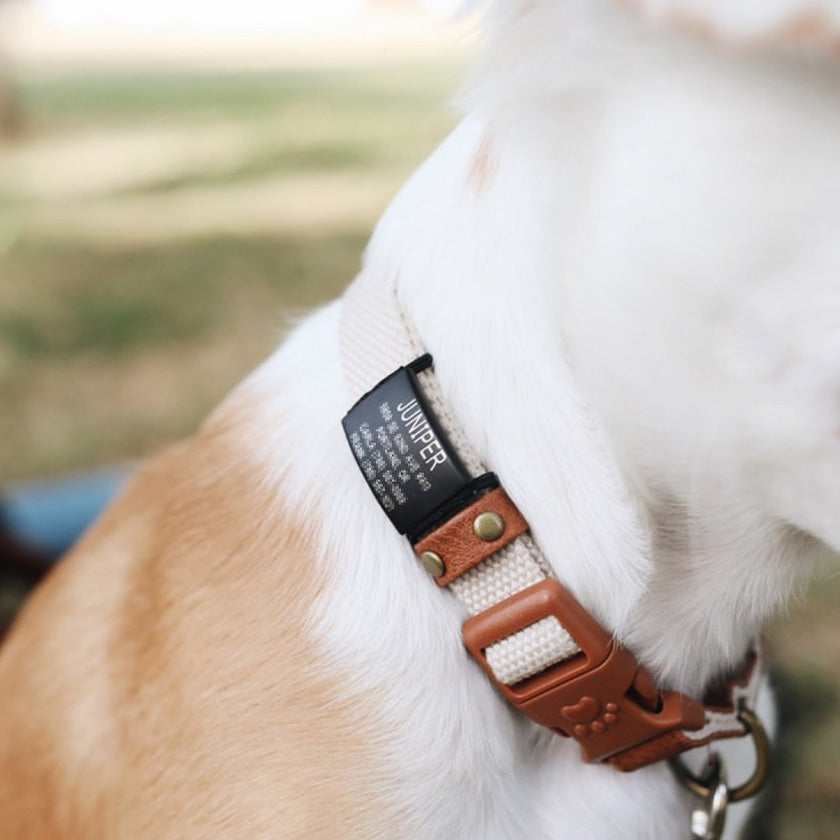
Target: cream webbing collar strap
(543,651)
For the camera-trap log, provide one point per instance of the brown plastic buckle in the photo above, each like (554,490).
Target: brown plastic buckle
(601,697)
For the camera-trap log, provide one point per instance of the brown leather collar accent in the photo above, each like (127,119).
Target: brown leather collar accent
(602,697)
(720,696)
(720,699)
(457,544)
(659,749)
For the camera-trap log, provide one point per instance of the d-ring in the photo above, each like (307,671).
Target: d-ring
(754,784)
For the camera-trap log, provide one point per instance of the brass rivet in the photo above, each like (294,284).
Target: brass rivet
(489,526)
(433,563)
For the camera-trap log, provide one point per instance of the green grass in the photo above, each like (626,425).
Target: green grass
(183,319)
(91,99)
(316,158)
(82,299)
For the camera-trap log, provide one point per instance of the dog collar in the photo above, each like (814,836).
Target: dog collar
(539,646)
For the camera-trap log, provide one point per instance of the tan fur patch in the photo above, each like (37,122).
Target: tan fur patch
(484,167)
(808,29)
(162,683)
(525,9)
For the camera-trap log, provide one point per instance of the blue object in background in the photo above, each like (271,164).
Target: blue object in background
(50,515)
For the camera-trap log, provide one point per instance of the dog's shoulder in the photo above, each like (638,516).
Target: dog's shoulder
(168,661)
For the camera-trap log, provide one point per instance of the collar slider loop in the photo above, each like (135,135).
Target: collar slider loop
(600,697)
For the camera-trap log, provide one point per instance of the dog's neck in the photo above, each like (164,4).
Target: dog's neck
(590,385)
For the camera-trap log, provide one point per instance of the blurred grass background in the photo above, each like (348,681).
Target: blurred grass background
(158,229)
(152,217)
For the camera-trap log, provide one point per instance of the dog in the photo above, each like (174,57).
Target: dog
(623,266)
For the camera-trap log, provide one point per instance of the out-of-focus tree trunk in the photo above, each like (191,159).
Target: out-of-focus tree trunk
(11,116)
(11,122)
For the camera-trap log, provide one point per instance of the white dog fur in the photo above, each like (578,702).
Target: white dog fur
(625,261)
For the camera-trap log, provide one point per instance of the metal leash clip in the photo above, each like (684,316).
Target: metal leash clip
(708,818)
(712,789)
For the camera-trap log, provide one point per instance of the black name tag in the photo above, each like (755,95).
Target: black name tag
(402,452)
